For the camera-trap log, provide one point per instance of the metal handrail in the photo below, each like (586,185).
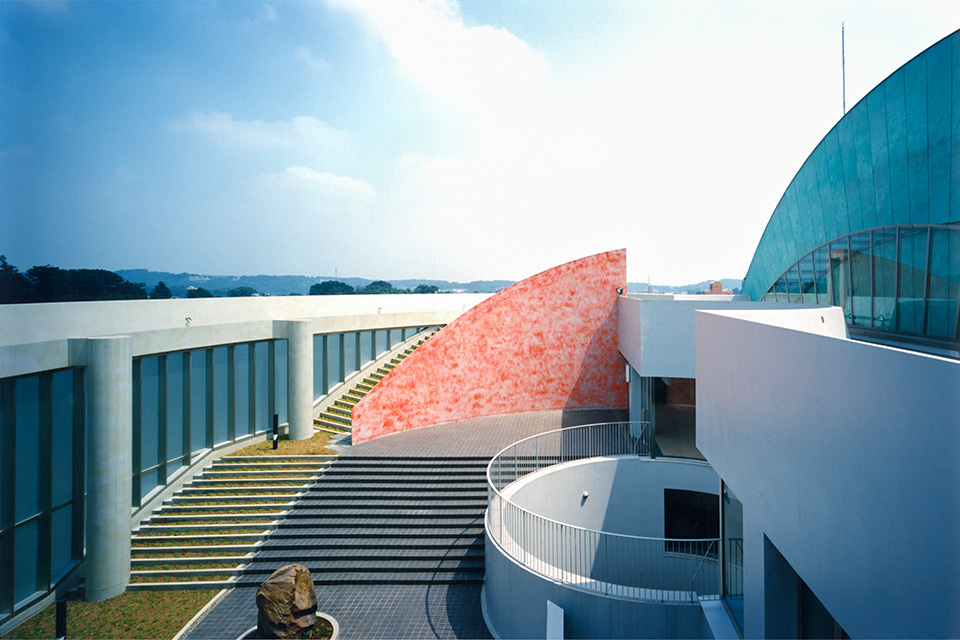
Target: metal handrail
(631,567)
(700,566)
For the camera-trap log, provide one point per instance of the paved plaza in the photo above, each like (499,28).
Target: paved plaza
(408,610)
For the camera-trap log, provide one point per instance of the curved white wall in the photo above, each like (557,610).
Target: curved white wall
(625,495)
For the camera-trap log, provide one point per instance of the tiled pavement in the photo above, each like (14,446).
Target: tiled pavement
(480,436)
(408,611)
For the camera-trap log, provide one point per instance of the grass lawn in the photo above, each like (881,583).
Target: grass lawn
(315,446)
(134,614)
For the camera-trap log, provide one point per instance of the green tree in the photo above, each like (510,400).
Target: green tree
(242,292)
(100,284)
(161,292)
(14,286)
(377,287)
(331,288)
(48,284)
(426,288)
(198,292)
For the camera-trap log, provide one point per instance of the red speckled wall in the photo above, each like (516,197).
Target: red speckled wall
(548,342)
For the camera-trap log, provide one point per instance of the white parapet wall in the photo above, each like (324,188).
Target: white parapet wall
(43,337)
(656,332)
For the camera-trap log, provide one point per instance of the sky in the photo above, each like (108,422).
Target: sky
(480,139)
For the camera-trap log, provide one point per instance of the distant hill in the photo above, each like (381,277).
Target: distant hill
(300,285)
(729,284)
(288,285)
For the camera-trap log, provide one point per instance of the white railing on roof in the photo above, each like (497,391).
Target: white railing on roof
(623,566)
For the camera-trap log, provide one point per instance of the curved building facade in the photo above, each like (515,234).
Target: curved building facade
(866,224)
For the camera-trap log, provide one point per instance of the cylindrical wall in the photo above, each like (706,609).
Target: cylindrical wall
(300,379)
(109,463)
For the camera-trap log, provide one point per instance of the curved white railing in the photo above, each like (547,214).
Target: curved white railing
(630,567)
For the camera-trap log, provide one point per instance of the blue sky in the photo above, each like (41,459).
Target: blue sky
(473,140)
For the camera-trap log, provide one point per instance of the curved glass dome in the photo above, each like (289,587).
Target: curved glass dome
(886,178)
(903,279)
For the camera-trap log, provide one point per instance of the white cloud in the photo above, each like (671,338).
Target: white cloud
(678,149)
(317,64)
(270,12)
(481,69)
(302,132)
(320,185)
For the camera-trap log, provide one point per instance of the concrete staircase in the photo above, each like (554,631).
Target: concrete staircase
(204,536)
(382,521)
(207,534)
(337,417)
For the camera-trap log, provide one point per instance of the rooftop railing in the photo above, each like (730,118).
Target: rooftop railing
(623,566)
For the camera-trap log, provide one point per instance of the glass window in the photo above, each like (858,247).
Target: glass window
(350,353)
(944,287)
(860,262)
(220,396)
(792,277)
(884,278)
(780,287)
(198,400)
(28,448)
(25,553)
(821,267)
(732,534)
(173,466)
(808,291)
(149,412)
(281,380)
(840,277)
(334,374)
(382,342)
(263,418)
(61,533)
(174,406)
(62,442)
(913,267)
(241,381)
(366,342)
(318,358)
(148,482)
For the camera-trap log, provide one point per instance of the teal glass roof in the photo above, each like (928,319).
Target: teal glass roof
(893,159)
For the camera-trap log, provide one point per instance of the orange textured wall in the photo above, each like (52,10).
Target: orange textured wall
(547,342)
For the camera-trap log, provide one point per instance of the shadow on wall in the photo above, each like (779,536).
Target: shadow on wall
(597,377)
(548,342)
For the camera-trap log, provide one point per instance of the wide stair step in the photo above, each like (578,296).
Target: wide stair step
(384,521)
(208,532)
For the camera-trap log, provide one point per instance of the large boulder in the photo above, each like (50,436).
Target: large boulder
(286,603)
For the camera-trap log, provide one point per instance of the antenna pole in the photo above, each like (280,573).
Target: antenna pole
(843,67)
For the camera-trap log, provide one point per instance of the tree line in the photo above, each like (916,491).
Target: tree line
(53,284)
(337,288)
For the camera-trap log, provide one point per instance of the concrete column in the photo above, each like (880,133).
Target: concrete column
(109,459)
(300,378)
